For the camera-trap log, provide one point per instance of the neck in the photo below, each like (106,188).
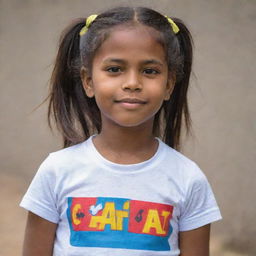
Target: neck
(126,145)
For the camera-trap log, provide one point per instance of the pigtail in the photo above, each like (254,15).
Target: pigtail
(176,109)
(67,99)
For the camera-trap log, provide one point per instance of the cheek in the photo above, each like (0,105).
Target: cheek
(103,97)
(103,93)
(158,91)
(159,97)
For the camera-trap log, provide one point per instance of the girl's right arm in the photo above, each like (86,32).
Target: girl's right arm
(39,236)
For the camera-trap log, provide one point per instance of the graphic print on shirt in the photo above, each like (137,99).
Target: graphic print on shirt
(119,223)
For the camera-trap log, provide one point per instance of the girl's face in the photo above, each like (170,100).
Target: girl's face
(129,77)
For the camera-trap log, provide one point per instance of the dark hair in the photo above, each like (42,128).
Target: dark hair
(76,115)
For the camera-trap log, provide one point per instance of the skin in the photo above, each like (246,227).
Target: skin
(36,242)
(129,81)
(195,242)
(129,64)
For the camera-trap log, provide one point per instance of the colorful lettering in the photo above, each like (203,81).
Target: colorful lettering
(153,221)
(75,211)
(119,220)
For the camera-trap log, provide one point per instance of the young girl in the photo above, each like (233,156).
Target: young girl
(119,85)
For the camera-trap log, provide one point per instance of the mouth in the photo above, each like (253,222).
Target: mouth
(131,101)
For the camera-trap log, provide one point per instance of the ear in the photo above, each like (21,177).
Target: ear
(169,87)
(87,82)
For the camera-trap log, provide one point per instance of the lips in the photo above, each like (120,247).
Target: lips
(131,101)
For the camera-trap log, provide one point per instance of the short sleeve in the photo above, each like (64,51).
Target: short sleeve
(200,207)
(40,198)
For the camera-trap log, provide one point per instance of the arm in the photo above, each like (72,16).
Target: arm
(39,236)
(195,242)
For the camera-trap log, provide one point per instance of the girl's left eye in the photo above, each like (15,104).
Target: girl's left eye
(150,71)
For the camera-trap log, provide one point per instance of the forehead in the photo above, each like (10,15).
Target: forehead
(136,42)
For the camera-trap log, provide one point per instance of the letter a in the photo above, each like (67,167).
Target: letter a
(153,221)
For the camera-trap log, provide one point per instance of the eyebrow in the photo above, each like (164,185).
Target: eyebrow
(153,61)
(114,60)
(145,62)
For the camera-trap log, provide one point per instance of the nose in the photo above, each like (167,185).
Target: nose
(132,82)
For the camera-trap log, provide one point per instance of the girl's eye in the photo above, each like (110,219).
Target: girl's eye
(114,69)
(150,71)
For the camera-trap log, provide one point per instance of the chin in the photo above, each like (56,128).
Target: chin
(134,124)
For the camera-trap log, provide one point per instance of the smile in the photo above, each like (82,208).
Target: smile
(131,101)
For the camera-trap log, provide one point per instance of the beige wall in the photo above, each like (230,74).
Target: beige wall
(222,99)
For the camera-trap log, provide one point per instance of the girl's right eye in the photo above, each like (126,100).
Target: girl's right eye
(113,69)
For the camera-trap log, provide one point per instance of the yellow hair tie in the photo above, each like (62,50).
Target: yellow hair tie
(175,28)
(89,20)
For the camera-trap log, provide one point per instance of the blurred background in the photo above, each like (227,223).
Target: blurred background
(222,100)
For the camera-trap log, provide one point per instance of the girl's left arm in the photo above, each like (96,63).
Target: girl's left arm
(195,242)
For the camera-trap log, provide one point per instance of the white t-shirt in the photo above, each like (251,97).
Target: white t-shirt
(104,208)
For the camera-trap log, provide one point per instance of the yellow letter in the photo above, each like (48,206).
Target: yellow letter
(76,208)
(120,215)
(153,221)
(126,205)
(108,217)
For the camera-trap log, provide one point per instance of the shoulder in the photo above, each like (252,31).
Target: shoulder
(69,153)
(184,168)
(64,160)
(179,161)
